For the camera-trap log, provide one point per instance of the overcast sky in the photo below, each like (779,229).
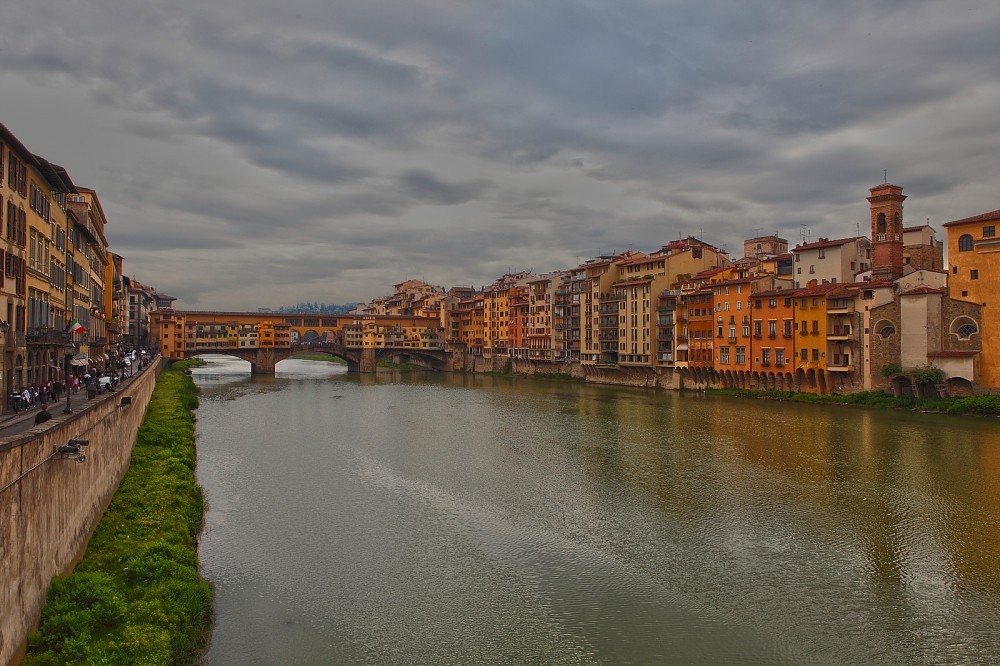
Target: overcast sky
(252,154)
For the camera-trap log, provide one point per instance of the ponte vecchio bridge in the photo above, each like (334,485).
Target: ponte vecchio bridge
(265,338)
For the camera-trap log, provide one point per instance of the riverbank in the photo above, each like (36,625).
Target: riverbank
(559,376)
(981,405)
(137,596)
(311,356)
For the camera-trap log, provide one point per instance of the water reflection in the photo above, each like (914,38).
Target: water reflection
(412,517)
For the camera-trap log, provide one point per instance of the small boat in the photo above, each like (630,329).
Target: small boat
(187,371)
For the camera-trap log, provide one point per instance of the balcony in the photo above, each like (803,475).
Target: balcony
(731,340)
(47,337)
(841,333)
(840,368)
(663,336)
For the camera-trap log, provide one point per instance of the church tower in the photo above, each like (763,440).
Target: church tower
(887,231)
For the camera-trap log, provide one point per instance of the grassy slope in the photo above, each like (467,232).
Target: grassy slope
(137,596)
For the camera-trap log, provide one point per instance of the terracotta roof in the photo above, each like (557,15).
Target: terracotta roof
(916,291)
(737,281)
(827,243)
(628,282)
(952,354)
(985,217)
(640,260)
(820,289)
(708,273)
(917,228)
(777,292)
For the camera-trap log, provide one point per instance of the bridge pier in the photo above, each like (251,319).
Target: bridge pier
(368,361)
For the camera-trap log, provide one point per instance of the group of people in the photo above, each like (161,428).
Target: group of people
(34,395)
(94,381)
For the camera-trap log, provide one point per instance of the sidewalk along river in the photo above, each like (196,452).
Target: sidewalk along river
(137,596)
(414,517)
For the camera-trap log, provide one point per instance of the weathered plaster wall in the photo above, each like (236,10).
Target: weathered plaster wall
(46,518)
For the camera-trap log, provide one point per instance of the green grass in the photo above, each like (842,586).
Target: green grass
(984,405)
(401,366)
(311,356)
(188,363)
(137,597)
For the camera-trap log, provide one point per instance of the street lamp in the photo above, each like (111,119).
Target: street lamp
(70,351)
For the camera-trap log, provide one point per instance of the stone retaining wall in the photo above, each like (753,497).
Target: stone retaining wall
(47,517)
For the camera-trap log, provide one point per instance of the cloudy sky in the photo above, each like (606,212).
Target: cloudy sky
(255,154)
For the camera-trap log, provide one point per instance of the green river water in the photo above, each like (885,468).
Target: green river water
(423,518)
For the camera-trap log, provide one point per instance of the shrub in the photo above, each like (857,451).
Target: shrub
(890,369)
(987,405)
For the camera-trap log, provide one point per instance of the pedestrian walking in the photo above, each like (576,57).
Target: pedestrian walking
(43,416)
(15,400)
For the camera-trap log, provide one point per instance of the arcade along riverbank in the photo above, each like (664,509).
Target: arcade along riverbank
(137,596)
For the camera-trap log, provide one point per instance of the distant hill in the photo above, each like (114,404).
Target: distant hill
(318,308)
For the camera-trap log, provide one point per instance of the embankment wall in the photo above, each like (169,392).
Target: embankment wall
(47,518)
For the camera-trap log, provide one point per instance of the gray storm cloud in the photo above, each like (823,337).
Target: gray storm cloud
(254,154)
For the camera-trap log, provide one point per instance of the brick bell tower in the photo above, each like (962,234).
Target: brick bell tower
(887,231)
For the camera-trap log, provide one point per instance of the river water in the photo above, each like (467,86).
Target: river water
(424,518)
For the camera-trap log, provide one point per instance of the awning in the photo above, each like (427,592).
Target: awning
(80,359)
(682,347)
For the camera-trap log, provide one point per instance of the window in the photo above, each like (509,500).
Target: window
(766,353)
(974,274)
(885,329)
(798,257)
(746,331)
(964,328)
(773,302)
(788,327)
(815,326)
(772,328)
(779,356)
(815,354)
(881,223)
(758,328)
(805,354)
(800,270)
(965,243)
(741,355)
(822,253)
(788,302)
(812,269)
(990,231)
(954,270)
(724,355)
(720,331)
(852,265)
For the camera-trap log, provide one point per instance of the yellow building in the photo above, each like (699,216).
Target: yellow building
(974,277)
(87,262)
(811,340)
